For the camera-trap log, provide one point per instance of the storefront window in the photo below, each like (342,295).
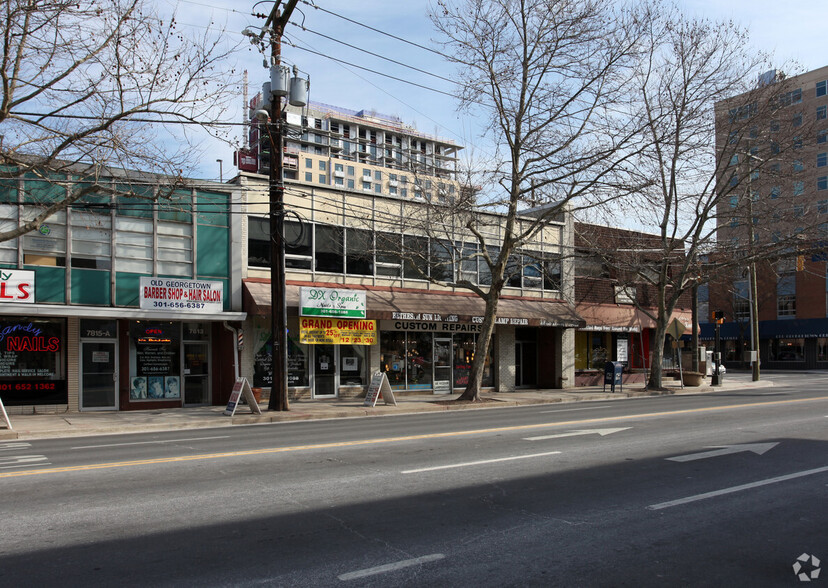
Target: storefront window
(581,350)
(297,363)
(352,360)
(419,361)
(392,357)
(787,350)
(597,350)
(32,361)
(463,357)
(263,363)
(155,366)
(822,349)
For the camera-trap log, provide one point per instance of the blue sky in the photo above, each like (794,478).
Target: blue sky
(790,30)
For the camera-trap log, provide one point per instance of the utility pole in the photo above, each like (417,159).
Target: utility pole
(278,305)
(753,289)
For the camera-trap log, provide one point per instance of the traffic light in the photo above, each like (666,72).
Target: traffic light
(718,316)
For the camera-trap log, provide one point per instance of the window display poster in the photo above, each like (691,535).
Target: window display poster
(621,345)
(138,388)
(155,387)
(172,387)
(32,361)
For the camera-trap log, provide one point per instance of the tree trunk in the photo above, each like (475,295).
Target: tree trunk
(657,355)
(481,351)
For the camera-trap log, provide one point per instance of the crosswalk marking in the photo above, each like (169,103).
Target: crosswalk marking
(19,461)
(14,446)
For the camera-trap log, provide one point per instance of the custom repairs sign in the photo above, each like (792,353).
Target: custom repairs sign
(176,294)
(318,331)
(331,302)
(17,286)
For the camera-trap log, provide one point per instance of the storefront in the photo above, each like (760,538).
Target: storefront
(424,342)
(431,356)
(618,333)
(783,344)
(32,361)
(73,357)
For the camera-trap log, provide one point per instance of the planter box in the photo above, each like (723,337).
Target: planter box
(693,378)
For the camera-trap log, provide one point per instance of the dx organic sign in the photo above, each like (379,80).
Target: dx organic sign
(333,302)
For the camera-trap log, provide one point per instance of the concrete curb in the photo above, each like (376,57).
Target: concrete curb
(90,424)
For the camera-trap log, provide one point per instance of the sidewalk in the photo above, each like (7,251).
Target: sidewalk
(46,426)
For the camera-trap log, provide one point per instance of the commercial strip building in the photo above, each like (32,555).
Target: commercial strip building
(358,188)
(617,309)
(118,303)
(792,292)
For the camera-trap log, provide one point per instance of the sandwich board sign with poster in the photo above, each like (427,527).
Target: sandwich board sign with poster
(379,386)
(241,389)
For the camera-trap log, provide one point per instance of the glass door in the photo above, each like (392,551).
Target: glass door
(442,366)
(99,377)
(526,364)
(196,375)
(324,371)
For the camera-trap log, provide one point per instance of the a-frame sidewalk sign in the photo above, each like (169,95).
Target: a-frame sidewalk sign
(241,389)
(379,387)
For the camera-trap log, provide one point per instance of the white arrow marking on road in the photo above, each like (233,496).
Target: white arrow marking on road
(757,448)
(475,463)
(601,432)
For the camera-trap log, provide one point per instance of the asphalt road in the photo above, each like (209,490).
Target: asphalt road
(705,490)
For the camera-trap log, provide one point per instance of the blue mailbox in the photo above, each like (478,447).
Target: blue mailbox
(613,371)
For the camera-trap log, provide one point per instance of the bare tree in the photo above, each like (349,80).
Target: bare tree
(699,179)
(548,78)
(94,86)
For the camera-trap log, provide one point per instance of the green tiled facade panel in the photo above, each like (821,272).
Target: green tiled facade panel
(213,208)
(213,251)
(90,287)
(50,284)
(126,288)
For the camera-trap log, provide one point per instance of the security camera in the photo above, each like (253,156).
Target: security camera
(262,115)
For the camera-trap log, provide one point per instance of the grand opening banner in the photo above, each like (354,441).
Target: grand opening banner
(318,331)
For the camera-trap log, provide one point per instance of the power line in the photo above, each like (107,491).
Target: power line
(363,50)
(423,47)
(179,121)
(368,69)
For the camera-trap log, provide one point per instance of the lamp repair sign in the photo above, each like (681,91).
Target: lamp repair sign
(331,302)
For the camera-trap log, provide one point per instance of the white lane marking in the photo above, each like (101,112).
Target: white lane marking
(14,446)
(573,409)
(602,432)
(151,442)
(733,489)
(17,461)
(474,463)
(757,448)
(406,563)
